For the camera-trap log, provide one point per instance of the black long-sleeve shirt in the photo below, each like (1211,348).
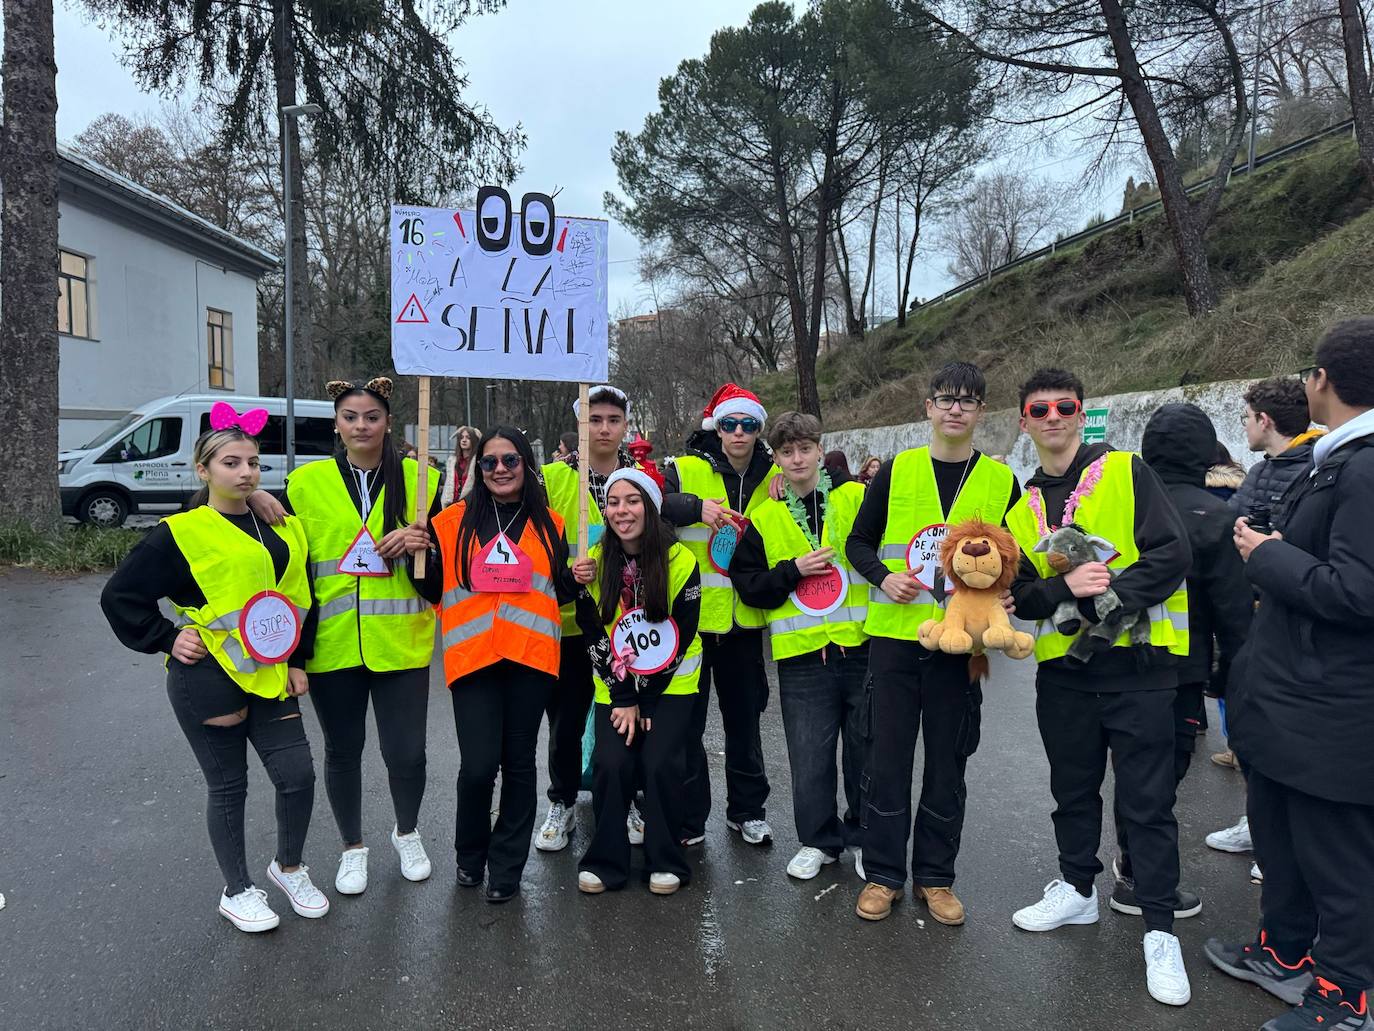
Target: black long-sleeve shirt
(1165,557)
(156,569)
(866,537)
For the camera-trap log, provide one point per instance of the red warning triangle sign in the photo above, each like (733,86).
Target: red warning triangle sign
(362,559)
(412,312)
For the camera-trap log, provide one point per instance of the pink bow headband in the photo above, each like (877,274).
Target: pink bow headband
(223,417)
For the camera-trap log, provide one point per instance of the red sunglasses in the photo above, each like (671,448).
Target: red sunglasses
(1067,407)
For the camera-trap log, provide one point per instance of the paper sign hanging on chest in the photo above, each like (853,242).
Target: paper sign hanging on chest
(361,558)
(501,567)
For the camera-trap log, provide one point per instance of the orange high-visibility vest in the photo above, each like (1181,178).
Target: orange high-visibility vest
(482,629)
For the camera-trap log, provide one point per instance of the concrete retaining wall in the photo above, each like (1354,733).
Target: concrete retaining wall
(999,432)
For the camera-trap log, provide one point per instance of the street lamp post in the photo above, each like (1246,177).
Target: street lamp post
(289,113)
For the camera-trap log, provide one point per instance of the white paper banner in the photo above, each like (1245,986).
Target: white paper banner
(510,291)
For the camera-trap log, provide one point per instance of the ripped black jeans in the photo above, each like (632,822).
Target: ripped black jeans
(909,686)
(203,691)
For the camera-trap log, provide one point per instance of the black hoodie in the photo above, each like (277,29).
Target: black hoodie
(1179,445)
(1165,556)
(685,509)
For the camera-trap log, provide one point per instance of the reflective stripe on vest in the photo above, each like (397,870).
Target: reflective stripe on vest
(377,622)
(481,629)
(913,503)
(230,567)
(560,483)
(687,676)
(1109,512)
(721,609)
(792,631)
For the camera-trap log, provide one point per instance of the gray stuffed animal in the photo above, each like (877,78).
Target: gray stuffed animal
(1065,550)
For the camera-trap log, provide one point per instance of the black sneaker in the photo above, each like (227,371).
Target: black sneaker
(1123,900)
(1259,964)
(1324,1008)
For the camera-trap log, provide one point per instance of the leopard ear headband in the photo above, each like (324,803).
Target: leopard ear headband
(379,386)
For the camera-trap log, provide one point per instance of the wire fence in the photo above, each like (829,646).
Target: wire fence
(1267,158)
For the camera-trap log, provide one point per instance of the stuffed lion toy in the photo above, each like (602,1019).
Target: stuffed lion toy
(980,559)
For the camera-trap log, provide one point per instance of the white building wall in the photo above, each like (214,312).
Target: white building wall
(148,302)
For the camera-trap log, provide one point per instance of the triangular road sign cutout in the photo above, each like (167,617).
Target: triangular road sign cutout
(500,552)
(361,558)
(412,312)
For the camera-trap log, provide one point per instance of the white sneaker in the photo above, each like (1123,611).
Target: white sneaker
(589,883)
(1164,973)
(634,826)
(553,836)
(755,832)
(664,883)
(696,840)
(248,910)
(807,863)
(1256,874)
(859,864)
(414,862)
(1061,905)
(352,876)
(306,899)
(1232,839)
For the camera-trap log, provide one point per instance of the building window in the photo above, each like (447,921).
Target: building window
(73,295)
(219,340)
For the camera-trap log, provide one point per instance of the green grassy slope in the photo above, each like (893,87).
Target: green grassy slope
(1292,249)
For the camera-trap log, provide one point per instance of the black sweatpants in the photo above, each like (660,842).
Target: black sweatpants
(400,705)
(1079,729)
(569,703)
(1189,712)
(275,730)
(496,712)
(734,661)
(660,755)
(1318,890)
(907,686)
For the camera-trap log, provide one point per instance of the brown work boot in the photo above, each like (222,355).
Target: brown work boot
(1227,759)
(875,901)
(944,905)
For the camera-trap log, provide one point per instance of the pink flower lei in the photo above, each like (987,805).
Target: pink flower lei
(1091,477)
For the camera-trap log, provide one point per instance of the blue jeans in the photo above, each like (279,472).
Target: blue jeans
(822,696)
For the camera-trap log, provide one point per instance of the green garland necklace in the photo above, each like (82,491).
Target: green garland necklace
(798,511)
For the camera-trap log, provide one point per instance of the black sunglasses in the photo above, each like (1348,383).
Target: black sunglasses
(1067,407)
(488,462)
(749,424)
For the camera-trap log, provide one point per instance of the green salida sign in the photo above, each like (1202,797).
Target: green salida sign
(1095,425)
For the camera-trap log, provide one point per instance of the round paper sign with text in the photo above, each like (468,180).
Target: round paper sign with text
(270,627)
(821,593)
(646,647)
(923,554)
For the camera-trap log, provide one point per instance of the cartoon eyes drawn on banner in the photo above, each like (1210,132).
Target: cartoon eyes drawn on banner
(494,222)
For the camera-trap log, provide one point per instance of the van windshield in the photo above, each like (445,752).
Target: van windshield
(111,432)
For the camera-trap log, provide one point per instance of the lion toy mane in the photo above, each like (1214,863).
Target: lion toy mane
(980,560)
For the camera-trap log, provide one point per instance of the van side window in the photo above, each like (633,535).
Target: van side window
(314,437)
(156,438)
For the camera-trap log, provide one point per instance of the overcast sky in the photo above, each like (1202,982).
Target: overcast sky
(590,68)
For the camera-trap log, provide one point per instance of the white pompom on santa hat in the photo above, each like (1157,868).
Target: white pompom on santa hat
(732,399)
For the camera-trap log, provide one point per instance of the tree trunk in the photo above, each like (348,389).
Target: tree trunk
(284,72)
(910,259)
(796,304)
(854,326)
(808,394)
(873,235)
(1184,231)
(28,264)
(1357,72)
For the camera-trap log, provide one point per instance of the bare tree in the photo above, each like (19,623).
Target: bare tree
(1356,38)
(1005,216)
(28,263)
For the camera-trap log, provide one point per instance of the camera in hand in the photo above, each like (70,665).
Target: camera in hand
(1258,518)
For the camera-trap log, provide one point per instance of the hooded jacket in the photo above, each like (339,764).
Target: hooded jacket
(1164,559)
(685,509)
(1179,444)
(1270,478)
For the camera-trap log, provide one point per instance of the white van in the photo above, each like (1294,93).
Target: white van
(143,462)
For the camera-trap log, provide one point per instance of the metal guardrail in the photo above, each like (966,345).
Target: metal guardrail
(1268,157)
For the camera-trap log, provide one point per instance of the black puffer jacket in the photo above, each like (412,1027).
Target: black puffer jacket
(1179,444)
(1270,478)
(1301,699)
(685,509)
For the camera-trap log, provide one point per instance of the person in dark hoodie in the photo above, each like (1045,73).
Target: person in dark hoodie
(1302,713)
(707,493)
(1121,698)
(1180,444)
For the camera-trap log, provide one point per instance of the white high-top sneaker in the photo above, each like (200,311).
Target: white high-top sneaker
(634,825)
(1164,973)
(1061,905)
(248,910)
(1232,839)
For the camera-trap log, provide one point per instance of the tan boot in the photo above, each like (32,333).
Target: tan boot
(1227,759)
(875,901)
(944,905)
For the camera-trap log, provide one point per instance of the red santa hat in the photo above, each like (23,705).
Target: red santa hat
(732,399)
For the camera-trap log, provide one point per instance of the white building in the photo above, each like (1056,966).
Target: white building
(154,300)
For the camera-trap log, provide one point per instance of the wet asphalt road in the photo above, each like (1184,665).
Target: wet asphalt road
(111,890)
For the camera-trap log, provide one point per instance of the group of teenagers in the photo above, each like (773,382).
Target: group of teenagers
(746,536)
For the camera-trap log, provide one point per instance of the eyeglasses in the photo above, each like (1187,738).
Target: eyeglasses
(489,462)
(1067,407)
(946,402)
(748,424)
(1307,372)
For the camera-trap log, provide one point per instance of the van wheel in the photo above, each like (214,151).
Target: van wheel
(104,508)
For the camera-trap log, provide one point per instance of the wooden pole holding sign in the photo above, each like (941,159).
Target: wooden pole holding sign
(422,474)
(584,443)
